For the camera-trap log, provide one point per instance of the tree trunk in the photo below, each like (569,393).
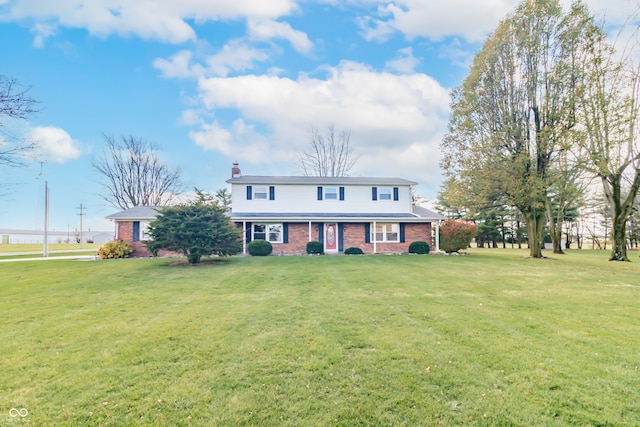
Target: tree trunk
(619,239)
(535,223)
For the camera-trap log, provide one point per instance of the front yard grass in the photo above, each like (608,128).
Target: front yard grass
(485,339)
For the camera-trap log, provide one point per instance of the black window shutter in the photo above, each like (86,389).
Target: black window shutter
(374,193)
(319,193)
(136,231)
(402,232)
(248,232)
(272,193)
(367,232)
(321,233)
(341,237)
(285,232)
(395,193)
(249,192)
(341,193)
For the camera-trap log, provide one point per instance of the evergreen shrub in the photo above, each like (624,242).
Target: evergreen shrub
(260,247)
(419,247)
(315,248)
(353,251)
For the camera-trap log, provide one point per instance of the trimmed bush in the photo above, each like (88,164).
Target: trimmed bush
(315,248)
(260,247)
(419,248)
(115,249)
(353,251)
(456,235)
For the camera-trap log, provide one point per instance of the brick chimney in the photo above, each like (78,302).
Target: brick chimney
(235,171)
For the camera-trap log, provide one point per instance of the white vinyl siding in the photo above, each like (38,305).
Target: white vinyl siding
(300,198)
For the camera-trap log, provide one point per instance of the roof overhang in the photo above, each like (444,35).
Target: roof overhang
(325,217)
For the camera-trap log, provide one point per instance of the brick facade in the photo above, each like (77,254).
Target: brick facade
(353,236)
(125,232)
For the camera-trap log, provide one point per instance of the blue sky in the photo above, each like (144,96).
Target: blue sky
(216,81)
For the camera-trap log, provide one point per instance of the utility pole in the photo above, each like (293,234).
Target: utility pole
(81,214)
(45,248)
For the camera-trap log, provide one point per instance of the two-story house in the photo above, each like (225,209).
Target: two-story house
(374,214)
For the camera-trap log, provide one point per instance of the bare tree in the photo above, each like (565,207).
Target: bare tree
(329,154)
(133,175)
(15,103)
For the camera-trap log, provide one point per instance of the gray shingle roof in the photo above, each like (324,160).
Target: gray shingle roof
(318,180)
(136,213)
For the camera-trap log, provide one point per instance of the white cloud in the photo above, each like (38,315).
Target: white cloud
(163,20)
(241,141)
(54,144)
(436,19)
(263,29)
(395,121)
(471,20)
(404,63)
(177,66)
(235,56)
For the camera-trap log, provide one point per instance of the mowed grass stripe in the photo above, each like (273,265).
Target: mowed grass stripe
(491,338)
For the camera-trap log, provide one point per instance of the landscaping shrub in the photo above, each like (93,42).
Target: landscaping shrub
(353,251)
(315,248)
(115,249)
(419,248)
(456,235)
(260,247)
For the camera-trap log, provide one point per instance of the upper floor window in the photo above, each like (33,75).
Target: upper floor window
(385,193)
(261,193)
(330,193)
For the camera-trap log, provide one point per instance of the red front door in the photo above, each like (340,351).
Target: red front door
(331,237)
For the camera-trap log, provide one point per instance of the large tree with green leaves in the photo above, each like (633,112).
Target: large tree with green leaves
(195,229)
(610,101)
(515,112)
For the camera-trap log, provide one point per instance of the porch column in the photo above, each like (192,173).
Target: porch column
(375,238)
(244,237)
(310,231)
(437,236)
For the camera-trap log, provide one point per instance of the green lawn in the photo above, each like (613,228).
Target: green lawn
(486,339)
(29,247)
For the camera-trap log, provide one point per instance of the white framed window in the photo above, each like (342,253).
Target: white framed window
(269,232)
(144,231)
(330,193)
(260,193)
(387,232)
(384,193)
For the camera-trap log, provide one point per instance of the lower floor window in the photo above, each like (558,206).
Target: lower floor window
(386,232)
(269,232)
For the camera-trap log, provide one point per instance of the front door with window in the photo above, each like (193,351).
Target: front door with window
(331,237)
